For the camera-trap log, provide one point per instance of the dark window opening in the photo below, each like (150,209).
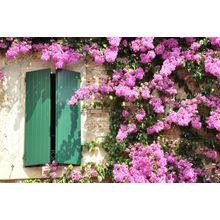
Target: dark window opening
(53,116)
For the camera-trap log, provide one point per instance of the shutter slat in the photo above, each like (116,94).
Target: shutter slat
(37,118)
(68,126)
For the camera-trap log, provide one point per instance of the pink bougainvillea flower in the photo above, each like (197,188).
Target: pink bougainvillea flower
(2,74)
(110,54)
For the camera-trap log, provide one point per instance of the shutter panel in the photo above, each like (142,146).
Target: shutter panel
(37,118)
(68,126)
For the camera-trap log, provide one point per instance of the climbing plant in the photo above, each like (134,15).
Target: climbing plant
(154,87)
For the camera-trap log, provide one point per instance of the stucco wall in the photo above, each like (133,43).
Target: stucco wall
(94,123)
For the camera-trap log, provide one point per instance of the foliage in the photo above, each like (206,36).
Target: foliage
(88,173)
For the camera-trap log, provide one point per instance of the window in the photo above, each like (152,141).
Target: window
(52,127)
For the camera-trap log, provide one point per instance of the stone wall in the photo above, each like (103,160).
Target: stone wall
(94,122)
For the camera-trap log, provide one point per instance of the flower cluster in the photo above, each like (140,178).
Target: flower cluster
(83,93)
(108,54)
(60,55)
(49,171)
(211,170)
(114,41)
(212,65)
(124,83)
(16,48)
(142,44)
(2,44)
(215,41)
(148,57)
(149,164)
(129,94)
(212,154)
(181,171)
(145,93)
(140,114)
(157,104)
(125,130)
(168,48)
(2,74)
(158,126)
(161,80)
(90,172)
(187,113)
(213,121)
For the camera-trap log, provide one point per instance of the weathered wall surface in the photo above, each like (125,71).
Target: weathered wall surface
(94,123)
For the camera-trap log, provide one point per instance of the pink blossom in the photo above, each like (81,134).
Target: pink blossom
(86,47)
(145,93)
(140,114)
(142,44)
(157,104)
(122,133)
(114,41)
(212,154)
(2,74)
(196,123)
(12,51)
(60,55)
(156,128)
(120,172)
(125,114)
(213,121)
(212,66)
(110,54)
(139,73)
(132,128)
(99,59)
(117,75)
(190,40)
(142,168)
(195,46)
(9,38)
(159,49)
(215,41)
(125,43)
(76,175)
(53,175)
(2,45)
(146,58)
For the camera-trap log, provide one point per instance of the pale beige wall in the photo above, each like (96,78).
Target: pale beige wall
(94,123)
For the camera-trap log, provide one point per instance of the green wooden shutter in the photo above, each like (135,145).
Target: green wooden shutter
(37,118)
(68,132)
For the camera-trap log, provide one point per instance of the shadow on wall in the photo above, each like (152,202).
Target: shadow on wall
(9,90)
(12,92)
(12,101)
(2,94)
